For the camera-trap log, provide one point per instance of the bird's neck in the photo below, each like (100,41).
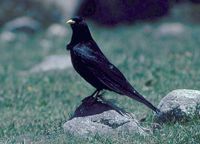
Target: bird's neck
(80,34)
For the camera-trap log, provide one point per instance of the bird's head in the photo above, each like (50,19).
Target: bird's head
(80,30)
(76,22)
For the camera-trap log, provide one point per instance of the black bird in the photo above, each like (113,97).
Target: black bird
(89,61)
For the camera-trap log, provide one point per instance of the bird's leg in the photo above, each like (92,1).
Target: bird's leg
(90,98)
(99,95)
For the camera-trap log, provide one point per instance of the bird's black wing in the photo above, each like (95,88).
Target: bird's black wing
(98,65)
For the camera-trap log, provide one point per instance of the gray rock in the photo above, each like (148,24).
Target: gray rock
(101,118)
(170,29)
(179,105)
(7,36)
(53,62)
(56,31)
(24,24)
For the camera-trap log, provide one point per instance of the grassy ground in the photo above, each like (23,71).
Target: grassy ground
(33,107)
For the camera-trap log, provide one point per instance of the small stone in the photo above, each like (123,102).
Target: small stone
(101,118)
(56,30)
(179,105)
(22,24)
(170,29)
(7,36)
(54,62)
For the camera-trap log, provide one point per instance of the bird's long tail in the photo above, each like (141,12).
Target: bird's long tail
(136,96)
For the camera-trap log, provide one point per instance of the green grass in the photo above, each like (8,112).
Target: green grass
(33,107)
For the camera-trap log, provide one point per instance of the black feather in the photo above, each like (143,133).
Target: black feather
(89,61)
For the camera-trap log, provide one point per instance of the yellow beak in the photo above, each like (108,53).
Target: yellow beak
(70,22)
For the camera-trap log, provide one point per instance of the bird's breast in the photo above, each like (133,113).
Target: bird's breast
(77,62)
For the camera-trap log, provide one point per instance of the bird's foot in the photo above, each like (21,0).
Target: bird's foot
(100,96)
(93,98)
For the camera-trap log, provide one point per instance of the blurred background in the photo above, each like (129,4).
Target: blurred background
(35,16)
(155,43)
(106,13)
